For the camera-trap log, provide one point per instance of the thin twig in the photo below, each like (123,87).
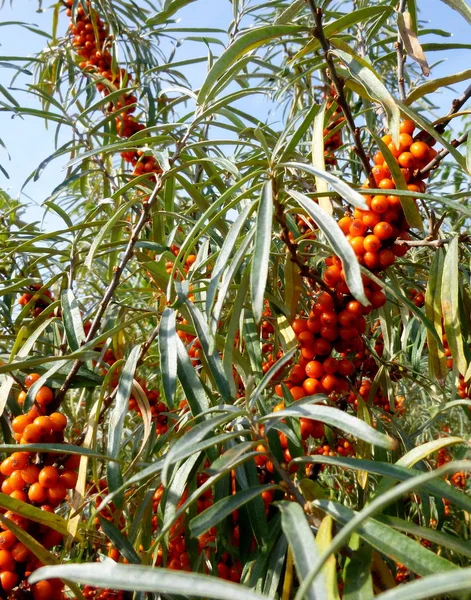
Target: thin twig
(432,243)
(440,156)
(401,57)
(339,90)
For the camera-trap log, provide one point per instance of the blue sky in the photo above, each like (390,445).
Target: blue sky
(28,142)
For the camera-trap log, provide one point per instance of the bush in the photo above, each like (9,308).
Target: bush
(240,369)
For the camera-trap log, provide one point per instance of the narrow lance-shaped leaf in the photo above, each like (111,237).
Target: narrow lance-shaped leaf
(72,318)
(339,243)
(318,158)
(261,255)
(436,84)
(439,585)
(343,189)
(363,73)
(436,358)
(194,391)
(460,6)
(168,355)
(411,43)
(243,45)
(450,305)
(335,418)
(146,579)
(225,507)
(116,423)
(303,546)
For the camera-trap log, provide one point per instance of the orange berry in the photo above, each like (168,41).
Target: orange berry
(407,126)
(355,307)
(19,460)
(31,378)
(406,160)
(371,260)
(386,258)
(16,481)
(378,158)
(20,422)
(358,244)
(58,421)
(332,276)
(43,590)
(330,365)
(314,369)
(372,243)
(357,228)
(299,325)
(73,462)
(44,396)
(19,495)
(329,382)
(386,184)
(306,338)
(394,150)
(57,494)
(345,223)
(346,367)
(48,476)
(30,474)
(44,425)
(383,230)
(8,579)
(21,398)
(419,150)
(379,173)
(7,540)
(378,299)
(37,493)
(20,552)
(297,392)
(380,204)
(7,562)
(312,386)
(7,467)
(405,140)
(32,434)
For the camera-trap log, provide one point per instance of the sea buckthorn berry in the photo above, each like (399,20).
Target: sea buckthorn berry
(332,276)
(20,552)
(7,467)
(30,474)
(7,562)
(345,223)
(372,243)
(58,493)
(299,325)
(355,307)
(395,151)
(43,590)
(306,338)
(19,495)
(329,333)
(297,374)
(371,260)
(358,244)
(58,421)
(329,382)
(7,540)
(330,365)
(297,392)
(44,396)
(8,580)
(310,427)
(406,160)
(21,398)
(380,204)
(48,476)
(19,459)
(419,150)
(32,434)
(31,378)
(312,386)
(386,184)
(37,493)
(328,318)
(357,228)
(345,367)
(16,481)
(314,324)
(386,258)
(378,158)
(73,462)
(69,479)
(347,318)
(43,424)
(19,423)
(371,218)
(378,299)
(6,488)
(394,201)
(322,347)
(383,230)
(379,173)
(407,126)
(405,140)
(314,369)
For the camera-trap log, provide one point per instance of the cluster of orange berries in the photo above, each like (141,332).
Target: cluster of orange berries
(40,303)
(374,233)
(38,479)
(90,41)
(92,593)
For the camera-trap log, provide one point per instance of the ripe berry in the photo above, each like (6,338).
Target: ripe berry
(44,396)
(383,230)
(31,378)
(48,476)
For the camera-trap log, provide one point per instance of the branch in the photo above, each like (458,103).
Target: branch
(401,57)
(440,156)
(456,104)
(432,243)
(339,89)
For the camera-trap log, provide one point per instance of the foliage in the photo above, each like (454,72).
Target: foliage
(261,350)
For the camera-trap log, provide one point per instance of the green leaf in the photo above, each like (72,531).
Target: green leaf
(335,418)
(169,9)
(303,546)
(72,318)
(436,357)
(261,255)
(339,244)
(224,507)
(357,573)
(194,391)
(343,189)
(450,300)
(433,586)
(318,158)
(37,515)
(290,12)
(116,423)
(54,448)
(146,579)
(436,84)
(168,355)
(119,541)
(363,73)
(243,45)
(460,6)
